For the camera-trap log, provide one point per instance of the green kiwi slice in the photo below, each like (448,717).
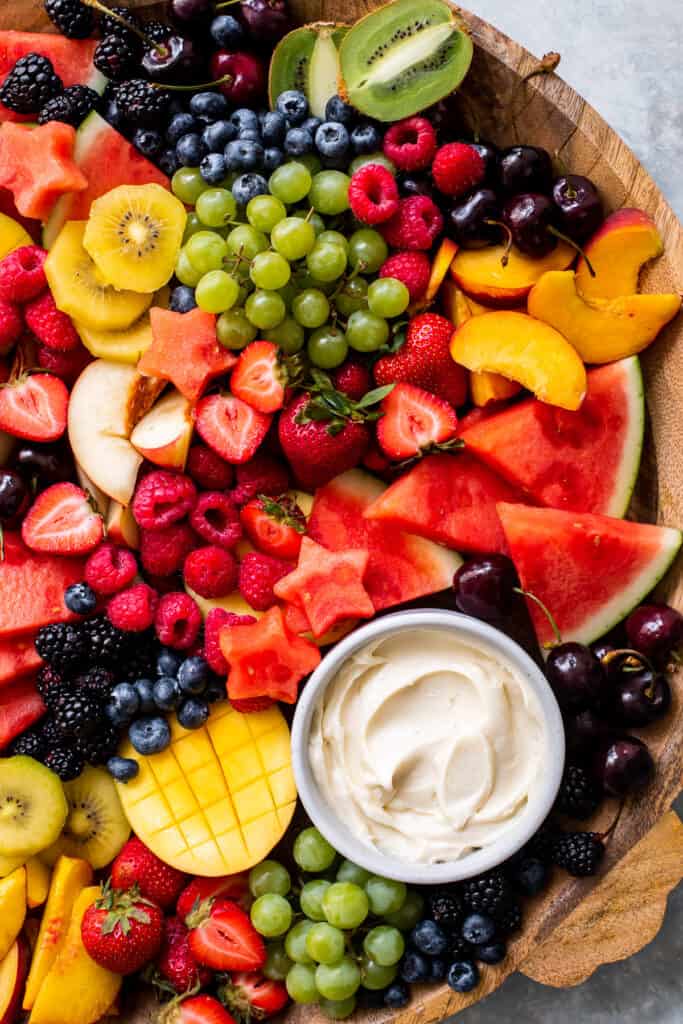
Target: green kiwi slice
(307,59)
(33,807)
(403,57)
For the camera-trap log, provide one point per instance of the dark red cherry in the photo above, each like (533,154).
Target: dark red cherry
(624,766)
(173,59)
(656,630)
(490,154)
(470,218)
(43,464)
(484,587)
(586,731)
(192,15)
(246,79)
(579,205)
(267,20)
(525,169)
(575,675)
(639,698)
(15,497)
(529,216)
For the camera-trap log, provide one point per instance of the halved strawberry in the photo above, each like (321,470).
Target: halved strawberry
(251,996)
(34,407)
(223,937)
(259,377)
(200,1009)
(274,525)
(231,427)
(62,521)
(414,420)
(231,887)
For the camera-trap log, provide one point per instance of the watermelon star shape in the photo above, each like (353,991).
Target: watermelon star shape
(37,166)
(327,585)
(266,659)
(185,350)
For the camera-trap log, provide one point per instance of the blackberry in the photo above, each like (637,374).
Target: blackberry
(107,645)
(50,734)
(508,919)
(110,26)
(142,659)
(99,748)
(487,894)
(67,762)
(458,948)
(579,795)
(97,682)
(78,715)
(71,107)
(116,57)
(579,853)
(30,84)
(142,104)
(446,909)
(157,31)
(73,19)
(63,646)
(30,743)
(50,684)
(541,845)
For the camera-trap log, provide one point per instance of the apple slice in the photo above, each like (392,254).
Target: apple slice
(100,499)
(13,971)
(121,526)
(163,436)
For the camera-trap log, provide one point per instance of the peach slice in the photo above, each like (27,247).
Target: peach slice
(454,303)
(626,240)
(12,909)
(442,261)
(523,350)
(481,274)
(604,329)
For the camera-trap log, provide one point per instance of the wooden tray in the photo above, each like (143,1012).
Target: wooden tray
(577,925)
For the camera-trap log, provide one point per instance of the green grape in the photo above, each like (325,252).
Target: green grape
(337,1009)
(305,280)
(293,238)
(277,962)
(234,330)
(265,309)
(295,943)
(270,270)
(271,915)
(246,288)
(372,158)
(313,218)
(311,308)
(384,945)
(327,347)
(366,332)
(353,296)
(289,292)
(216,292)
(310,161)
(324,943)
(192,226)
(410,913)
(206,251)
(338,981)
(367,250)
(301,986)
(269,876)
(185,272)
(187,184)
(291,182)
(289,335)
(312,852)
(326,262)
(388,297)
(375,976)
(350,872)
(215,207)
(335,238)
(247,240)
(330,192)
(385,895)
(264,212)
(346,905)
(311,898)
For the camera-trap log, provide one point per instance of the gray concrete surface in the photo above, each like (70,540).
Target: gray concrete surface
(625,58)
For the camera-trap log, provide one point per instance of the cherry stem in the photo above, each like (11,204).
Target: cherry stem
(193,88)
(227,3)
(630,656)
(574,245)
(96,5)
(532,597)
(508,235)
(608,834)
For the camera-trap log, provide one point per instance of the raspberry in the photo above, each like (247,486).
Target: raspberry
(178,621)
(457,168)
(162,552)
(50,326)
(411,144)
(413,268)
(133,609)
(211,571)
(110,569)
(215,620)
(67,365)
(416,224)
(216,520)
(11,325)
(258,575)
(261,475)
(250,704)
(162,498)
(353,379)
(21,274)
(373,194)
(208,470)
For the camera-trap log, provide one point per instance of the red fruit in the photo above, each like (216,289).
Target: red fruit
(185,350)
(425,360)
(133,609)
(414,421)
(222,936)
(210,571)
(352,379)
(215,620)
(11,325)
(110,568)
(373,194)
(162,498)
(21,274)
(208,470)
(410,144)
(413,268)
(261,475)
(162,552)
(34,407)
(266,20)
(258,574)
(254,996)
(177,620)
(245,76)
(231,427)
(252,705)
(20,706)
(216,520)
(122,931)
(457,168)
(316,454)
(66,365)
(50,326)
(175,962)
(32,587)
(415,225)
(258,378)
(231,887)
(135,864)
(62,521)
(274,525)
(18,657)
(200,1009)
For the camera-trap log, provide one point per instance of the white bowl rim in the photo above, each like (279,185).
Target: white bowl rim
(333,829)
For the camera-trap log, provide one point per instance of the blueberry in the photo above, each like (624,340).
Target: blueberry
(272,158)
(147,142)
(244,118)
(415,967)
(478,929)
(182,299)
(365,138)
(298,142)
(115,715)
(168,662)
(311,124)
(335,163)
(293,105)
(123,769)
(149,735)
(190,150)
(168,162)
(211,105)
(80,598)
(145,688)
(462,976)
(249,135)
(215,690)
(396,996)
(192,713)
(428,938)
(126,698)
(332,139)
(273,128)
(193,675)
(491,954)
(216,136)
(247,186)
(531,875)
(337,110)
(227,32)
(213,169)
(179,125)
(166,693)
(243,155)
(439,969)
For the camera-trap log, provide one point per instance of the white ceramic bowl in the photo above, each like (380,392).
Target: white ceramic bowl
(333,828)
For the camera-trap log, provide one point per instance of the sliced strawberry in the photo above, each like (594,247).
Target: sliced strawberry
(274,525)
(231,427)
(231,887)
(414,421)
(20,706)
(259,379)
(225,939)
(34,407)
(201,1009)
(252,996)
(62,521)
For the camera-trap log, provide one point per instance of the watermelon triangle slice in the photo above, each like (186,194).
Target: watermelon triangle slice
(589,571)
(583,461)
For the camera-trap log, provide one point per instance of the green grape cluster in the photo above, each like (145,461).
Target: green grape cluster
(338,929)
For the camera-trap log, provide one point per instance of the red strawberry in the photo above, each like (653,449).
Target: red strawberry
(175,961)
(252,996)
(414,420)
(258,378)
(424,359)
(62,521)
(34,407)
(319,450)
(230,887)
(274,525)
(200,1009)
(231,427)
(223,937)
(122,931)
(353,379)
(136,864)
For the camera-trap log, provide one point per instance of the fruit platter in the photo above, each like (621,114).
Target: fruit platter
(340,512)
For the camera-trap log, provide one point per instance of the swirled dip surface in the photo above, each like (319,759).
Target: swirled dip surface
(427,745)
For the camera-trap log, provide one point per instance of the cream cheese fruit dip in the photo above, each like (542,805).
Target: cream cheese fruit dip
(428,745)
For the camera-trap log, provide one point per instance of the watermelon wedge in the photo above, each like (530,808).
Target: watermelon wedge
(71,59)
(450,499)
(20,707)
(18,657)
(589,571)
(401,566)
(32,587)
(583,461)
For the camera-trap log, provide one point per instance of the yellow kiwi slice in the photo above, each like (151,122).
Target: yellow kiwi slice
(96,827)
(33,807)
(134,234)
(79,289)
(123,346)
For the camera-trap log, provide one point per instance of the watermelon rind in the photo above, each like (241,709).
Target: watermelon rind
(625,480)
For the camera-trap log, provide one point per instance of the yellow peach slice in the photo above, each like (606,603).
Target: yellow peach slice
(626,240)
(37,882)
(455,305)
(12,909)
(481,274)
(523,350)
(488,387)
(442,261)
(604,329)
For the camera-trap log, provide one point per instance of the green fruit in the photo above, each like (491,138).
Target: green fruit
(234,330)
(311,898)
(312,852)
(311,308)
(300,982)
(295,943)
(216,292)
(265,309)
(33,807)
(269,876)
(307,59)
(289,335)
(367,250)
(277,962)
(329,193)
(372,158)
(96,827)
(271,915)
(327,347)
(290,183)
(293,238)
